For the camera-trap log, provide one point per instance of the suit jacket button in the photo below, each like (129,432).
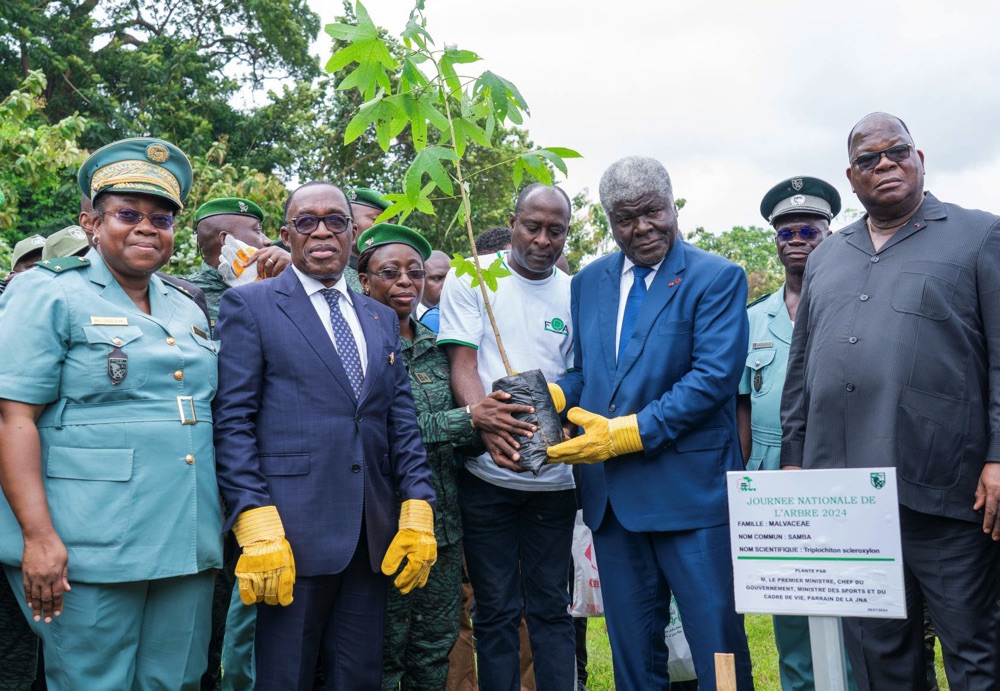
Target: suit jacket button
(178,375)
(611,408)
(358,418)
(355,468)
(849,387)
(189,459)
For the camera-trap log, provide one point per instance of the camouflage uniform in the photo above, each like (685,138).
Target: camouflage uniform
(421,628)
(212,284)
(351,276)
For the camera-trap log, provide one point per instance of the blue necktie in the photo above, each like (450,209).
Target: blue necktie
(347,347)
(636,295)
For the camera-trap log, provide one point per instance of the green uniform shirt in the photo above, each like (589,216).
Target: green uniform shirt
(212,284)
(443,427)
(764,377)
(128,463)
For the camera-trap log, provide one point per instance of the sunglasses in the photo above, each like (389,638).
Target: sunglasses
(394,274)
(131,217)
(897,153)
(806,233)
(307,224)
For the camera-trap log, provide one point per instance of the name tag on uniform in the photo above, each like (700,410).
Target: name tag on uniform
(198,332)
(422,377)
(763,344)
(109,321)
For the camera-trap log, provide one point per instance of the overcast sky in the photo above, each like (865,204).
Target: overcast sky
(733,97)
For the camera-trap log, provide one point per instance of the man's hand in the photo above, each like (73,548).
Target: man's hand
(270,261)
(601,439)
(45,574)
(988,499)
(503,450)
(494,415)
(414,541)
(266,569)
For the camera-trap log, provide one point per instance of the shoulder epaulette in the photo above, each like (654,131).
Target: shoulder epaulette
(170,281)
(760,299)
(61,264)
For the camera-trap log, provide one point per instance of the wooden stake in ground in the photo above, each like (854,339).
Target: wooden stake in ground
(725,672)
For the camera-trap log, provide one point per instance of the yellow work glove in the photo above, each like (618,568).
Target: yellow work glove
(415,541)
(558,397)
(266,569)
(601,439)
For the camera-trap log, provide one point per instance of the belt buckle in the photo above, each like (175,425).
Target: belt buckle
(185,404)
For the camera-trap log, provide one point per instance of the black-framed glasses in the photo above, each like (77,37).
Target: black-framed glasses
(897,153)
(805,232)
(131,217)
(307,223)
(394,274)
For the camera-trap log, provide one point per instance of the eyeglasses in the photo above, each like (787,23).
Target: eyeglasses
(806,233)
(897,153)
(307,223)
(131,217)
(394,274)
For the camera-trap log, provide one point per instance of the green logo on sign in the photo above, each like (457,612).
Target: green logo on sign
(746,485)
(878,480)
(557,325)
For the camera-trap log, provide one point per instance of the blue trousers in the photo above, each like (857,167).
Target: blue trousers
(140,635)
(517,549)
(638,573)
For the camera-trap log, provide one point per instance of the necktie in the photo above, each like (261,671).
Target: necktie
(347,348)
(636,295)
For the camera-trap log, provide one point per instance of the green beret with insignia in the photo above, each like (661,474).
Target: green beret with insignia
(65,243)
(33,243)
(367,197)
(142,164)
(229,205)
(800,195)
(391,234)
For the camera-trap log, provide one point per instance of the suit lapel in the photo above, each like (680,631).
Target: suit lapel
(609,295)
(373,342)
(666,284)
(297,306)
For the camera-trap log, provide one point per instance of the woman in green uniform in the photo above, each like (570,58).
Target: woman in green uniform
(111,524)
(422,626)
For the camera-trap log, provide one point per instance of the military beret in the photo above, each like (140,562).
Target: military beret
(33,243)
(800,195)
(141,164)
(229,205)
(367,197)
(65,243)
(391,234)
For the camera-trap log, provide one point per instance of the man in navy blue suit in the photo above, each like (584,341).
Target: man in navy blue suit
(659,347)
(315,435)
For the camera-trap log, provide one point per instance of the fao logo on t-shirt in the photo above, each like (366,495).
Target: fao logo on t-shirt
(557,326)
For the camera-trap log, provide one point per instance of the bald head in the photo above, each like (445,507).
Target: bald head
(875,119)
(212,230)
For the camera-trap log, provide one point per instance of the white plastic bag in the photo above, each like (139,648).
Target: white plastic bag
(681,664)
(587,600)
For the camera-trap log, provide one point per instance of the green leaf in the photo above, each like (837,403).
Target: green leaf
(535,167)
(416,34)
(554,159)
(399,205)
(365,48)
(428,162)
(502,96)
(498,269)
(464,266)
(563,152)
(346,32)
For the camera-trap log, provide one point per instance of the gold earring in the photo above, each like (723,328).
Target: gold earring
(367,291)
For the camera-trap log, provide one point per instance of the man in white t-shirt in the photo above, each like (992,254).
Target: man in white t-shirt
(518,527)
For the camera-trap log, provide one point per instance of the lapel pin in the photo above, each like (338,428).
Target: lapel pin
(673,283)
(392,358)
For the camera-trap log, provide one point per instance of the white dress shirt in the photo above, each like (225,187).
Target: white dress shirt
(313,289)
(625,286)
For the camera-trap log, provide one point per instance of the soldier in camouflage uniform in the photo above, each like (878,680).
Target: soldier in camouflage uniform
(422,626)
(366,205)
(242,219)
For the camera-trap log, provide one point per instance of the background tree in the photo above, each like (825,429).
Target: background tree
(752,248)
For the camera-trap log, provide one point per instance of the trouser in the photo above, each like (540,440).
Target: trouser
(139,635)
(639,570)
(517,547)
(952,565)
(421,627)
(237,646)
(340,615)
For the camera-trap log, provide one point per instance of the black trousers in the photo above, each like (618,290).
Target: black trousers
(953,567)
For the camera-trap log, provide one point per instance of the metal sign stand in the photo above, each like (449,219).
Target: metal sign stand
(827,643)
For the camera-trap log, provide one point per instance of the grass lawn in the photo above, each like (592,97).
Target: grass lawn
(762,652)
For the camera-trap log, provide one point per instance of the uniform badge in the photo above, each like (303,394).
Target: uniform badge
(392,358)
(422,377)
(796,184)
(798,200)
(157,153)
(108,321)
(198,332)
(243,207)
(758,381)
(117,365)
(762,344)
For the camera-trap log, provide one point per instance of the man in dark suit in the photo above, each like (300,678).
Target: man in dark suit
(659,347)
(316,434)
(895,361)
